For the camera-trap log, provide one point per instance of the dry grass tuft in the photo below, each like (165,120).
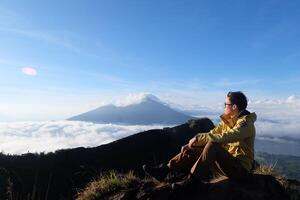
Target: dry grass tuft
(106,183)
(270,170)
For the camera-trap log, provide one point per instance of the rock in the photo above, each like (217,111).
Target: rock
(257,187)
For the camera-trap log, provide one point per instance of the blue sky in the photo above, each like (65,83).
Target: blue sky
(187,52)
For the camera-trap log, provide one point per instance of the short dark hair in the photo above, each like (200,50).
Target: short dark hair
(239,99)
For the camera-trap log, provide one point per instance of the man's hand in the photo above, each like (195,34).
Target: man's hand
(185,148)
(192,142)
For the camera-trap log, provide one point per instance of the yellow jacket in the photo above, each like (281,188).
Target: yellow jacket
(236,135)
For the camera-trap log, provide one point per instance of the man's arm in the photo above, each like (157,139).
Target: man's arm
(202,138)
(241,130)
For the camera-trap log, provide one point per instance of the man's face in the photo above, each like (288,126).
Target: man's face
(229,108)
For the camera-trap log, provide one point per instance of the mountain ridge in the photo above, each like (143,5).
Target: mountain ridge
(148,111)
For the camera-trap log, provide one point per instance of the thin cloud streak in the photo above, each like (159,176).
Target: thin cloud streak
(61,40)
(236,83)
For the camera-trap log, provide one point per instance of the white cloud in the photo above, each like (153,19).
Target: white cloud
(136,99)
(279,129)
(29,71)
(293,99)
(23,137)
(277,109)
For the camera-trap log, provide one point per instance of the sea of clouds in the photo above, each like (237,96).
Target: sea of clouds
(277,126)
(23,137)
(278,119)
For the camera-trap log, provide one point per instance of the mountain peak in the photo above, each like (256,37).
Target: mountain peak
(137,98)
(135,109)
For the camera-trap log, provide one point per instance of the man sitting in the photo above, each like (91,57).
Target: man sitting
(228,148)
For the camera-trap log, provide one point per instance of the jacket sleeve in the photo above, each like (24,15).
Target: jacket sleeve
(203,138)
(241,130)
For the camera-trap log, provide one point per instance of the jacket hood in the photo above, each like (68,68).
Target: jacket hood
(251,117)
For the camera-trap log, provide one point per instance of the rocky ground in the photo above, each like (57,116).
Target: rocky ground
(258,187)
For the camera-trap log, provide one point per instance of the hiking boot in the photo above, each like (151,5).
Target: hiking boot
(159,173)
(174,176)
(189,184)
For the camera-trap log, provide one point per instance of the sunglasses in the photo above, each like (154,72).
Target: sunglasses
(227,104)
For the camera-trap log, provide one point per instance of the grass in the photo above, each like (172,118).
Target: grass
(271,170)
(112,181)
(106,183)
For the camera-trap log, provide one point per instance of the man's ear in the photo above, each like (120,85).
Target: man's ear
(234,107)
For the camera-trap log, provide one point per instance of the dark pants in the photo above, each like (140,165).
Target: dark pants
(201,161)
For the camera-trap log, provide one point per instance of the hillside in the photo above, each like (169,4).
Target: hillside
(286,165)
(264,184)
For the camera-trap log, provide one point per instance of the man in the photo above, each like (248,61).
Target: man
(228,148)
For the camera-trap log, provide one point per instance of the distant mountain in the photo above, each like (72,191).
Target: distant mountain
(149,110)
